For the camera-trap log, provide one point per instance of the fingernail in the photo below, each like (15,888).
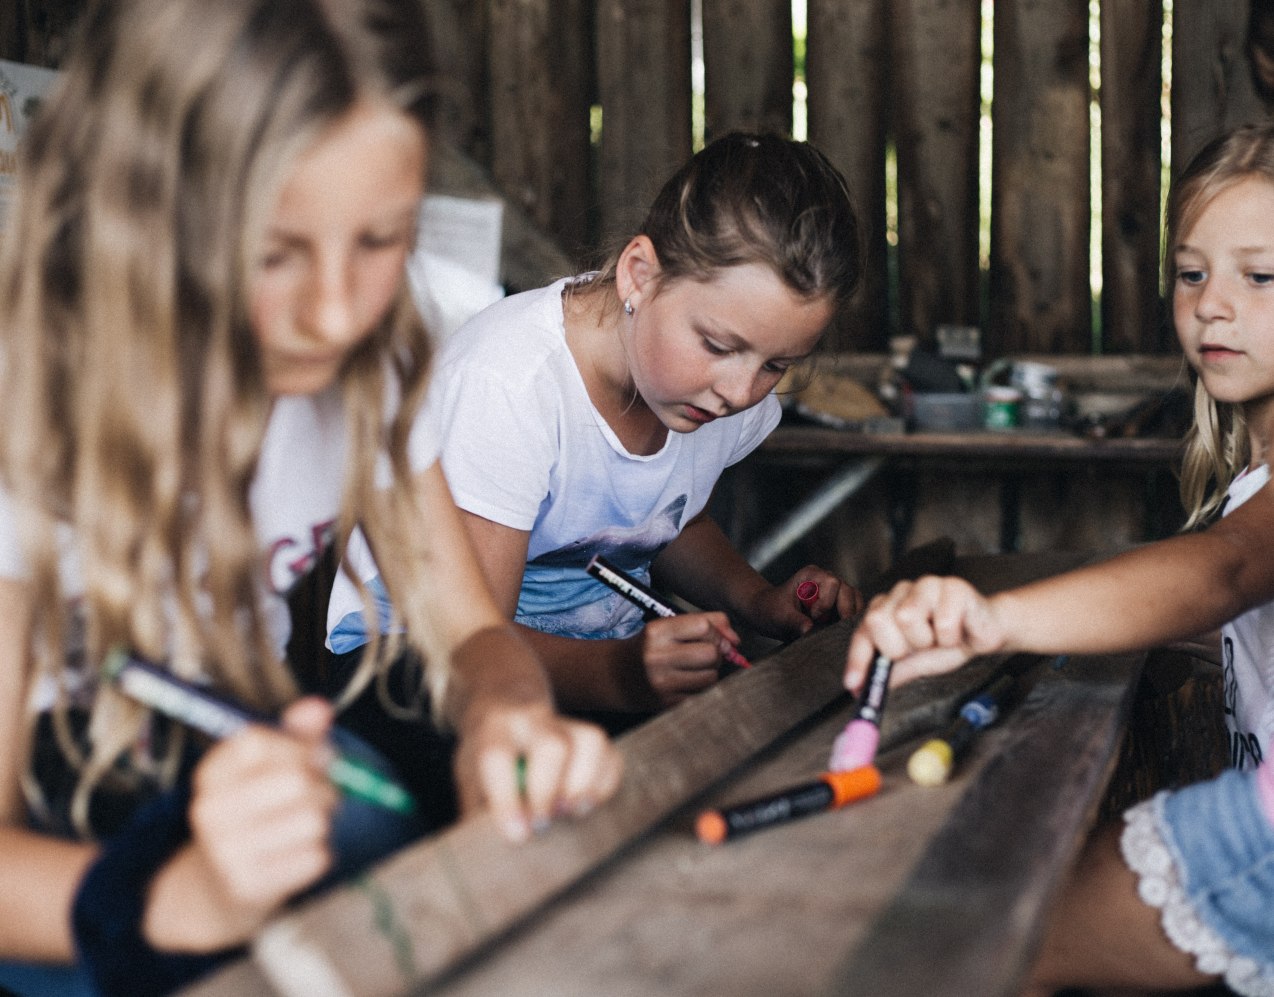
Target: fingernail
(515,829)
(540,824)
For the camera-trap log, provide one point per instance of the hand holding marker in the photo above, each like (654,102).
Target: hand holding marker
(856,744)
(219,718)
(646,600)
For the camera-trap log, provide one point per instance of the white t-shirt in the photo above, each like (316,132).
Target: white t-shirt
(523,446)
(295,499)
(1247,655)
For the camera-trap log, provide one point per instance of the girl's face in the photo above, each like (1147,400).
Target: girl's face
(335,246)
(700,350)
(1223,293)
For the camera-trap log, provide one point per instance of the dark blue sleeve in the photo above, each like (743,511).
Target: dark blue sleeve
(109,904)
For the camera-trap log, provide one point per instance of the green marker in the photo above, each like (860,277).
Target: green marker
(220,718)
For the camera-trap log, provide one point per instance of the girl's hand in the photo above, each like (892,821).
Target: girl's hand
(682,654)
(778,611)
(260,817)
(928,626)
(528,764)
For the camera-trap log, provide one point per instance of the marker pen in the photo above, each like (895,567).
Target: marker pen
(829,791)
(856,744)
(807,593)
(219,718)
(932,762)
(646,600)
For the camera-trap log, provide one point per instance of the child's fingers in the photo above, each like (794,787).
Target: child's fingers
(498,769)
(592,772)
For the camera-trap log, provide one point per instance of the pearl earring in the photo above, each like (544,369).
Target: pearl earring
(628,306)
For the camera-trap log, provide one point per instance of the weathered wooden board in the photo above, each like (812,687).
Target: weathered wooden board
(937,61)
(1041,299)
(422,912)
(747,66)
(1131,113)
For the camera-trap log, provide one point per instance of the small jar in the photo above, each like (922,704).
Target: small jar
(1000,407)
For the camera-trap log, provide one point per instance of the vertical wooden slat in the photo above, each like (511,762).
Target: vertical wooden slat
(1040,288)
(847,65)
(748,66)
(643,79)
(540,67)
(1212,89)
(937,57)
(458,30)
(1131,87)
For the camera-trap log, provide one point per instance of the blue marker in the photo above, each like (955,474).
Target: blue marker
(219,718)
(932,762)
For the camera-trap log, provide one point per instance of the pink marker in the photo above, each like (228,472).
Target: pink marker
(856,745)
(807,593)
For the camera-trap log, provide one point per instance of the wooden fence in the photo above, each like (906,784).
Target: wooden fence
(525,78)
(880,73)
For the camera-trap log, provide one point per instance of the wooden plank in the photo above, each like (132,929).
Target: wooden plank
(769,915)
(1040,289)
(1131,85)
(937,61)
(643,82)
(458,33)
(436,904)
(748,66)
(1016,446)
(1006,847)
(540,69)
(847,66)
(1212,88)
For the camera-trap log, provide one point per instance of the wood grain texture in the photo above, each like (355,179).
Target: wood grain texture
(1131,92)
(643,84)
(439,904)
(847,69)
(747,66)
(937,62)
(1212,88)
(1041,299)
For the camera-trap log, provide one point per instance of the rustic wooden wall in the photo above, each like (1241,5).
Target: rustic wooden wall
(527,82)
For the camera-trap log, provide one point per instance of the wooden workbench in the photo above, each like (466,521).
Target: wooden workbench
(916,891)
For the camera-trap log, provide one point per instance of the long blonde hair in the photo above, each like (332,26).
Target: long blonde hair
(1216,448)
(128,360)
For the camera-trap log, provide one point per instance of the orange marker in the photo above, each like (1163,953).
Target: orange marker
(828,792)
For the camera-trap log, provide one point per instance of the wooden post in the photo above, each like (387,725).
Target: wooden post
(1212,88)
(458,34)
(748,66)
(1131,89)
(937,60)
(540,67)
(643,77)
(1041,298)
(847,60)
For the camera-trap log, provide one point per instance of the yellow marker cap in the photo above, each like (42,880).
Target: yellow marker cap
(930,764)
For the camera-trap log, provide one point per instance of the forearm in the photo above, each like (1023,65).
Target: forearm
(595,674)
(702,567)
(494,664)
(1165,591)
(38,879)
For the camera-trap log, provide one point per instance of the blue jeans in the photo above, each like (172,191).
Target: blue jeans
(1223,847)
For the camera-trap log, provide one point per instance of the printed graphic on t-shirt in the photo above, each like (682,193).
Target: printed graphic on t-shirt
(1245,745)
(559,596)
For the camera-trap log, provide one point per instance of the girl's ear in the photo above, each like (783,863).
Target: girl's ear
(637,271)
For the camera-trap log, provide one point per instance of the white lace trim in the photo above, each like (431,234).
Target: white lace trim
(1159,885)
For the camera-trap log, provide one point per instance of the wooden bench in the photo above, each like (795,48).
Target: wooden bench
(915,891)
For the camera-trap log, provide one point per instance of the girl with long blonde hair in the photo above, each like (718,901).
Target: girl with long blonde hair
(211,368)
(1180,892)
